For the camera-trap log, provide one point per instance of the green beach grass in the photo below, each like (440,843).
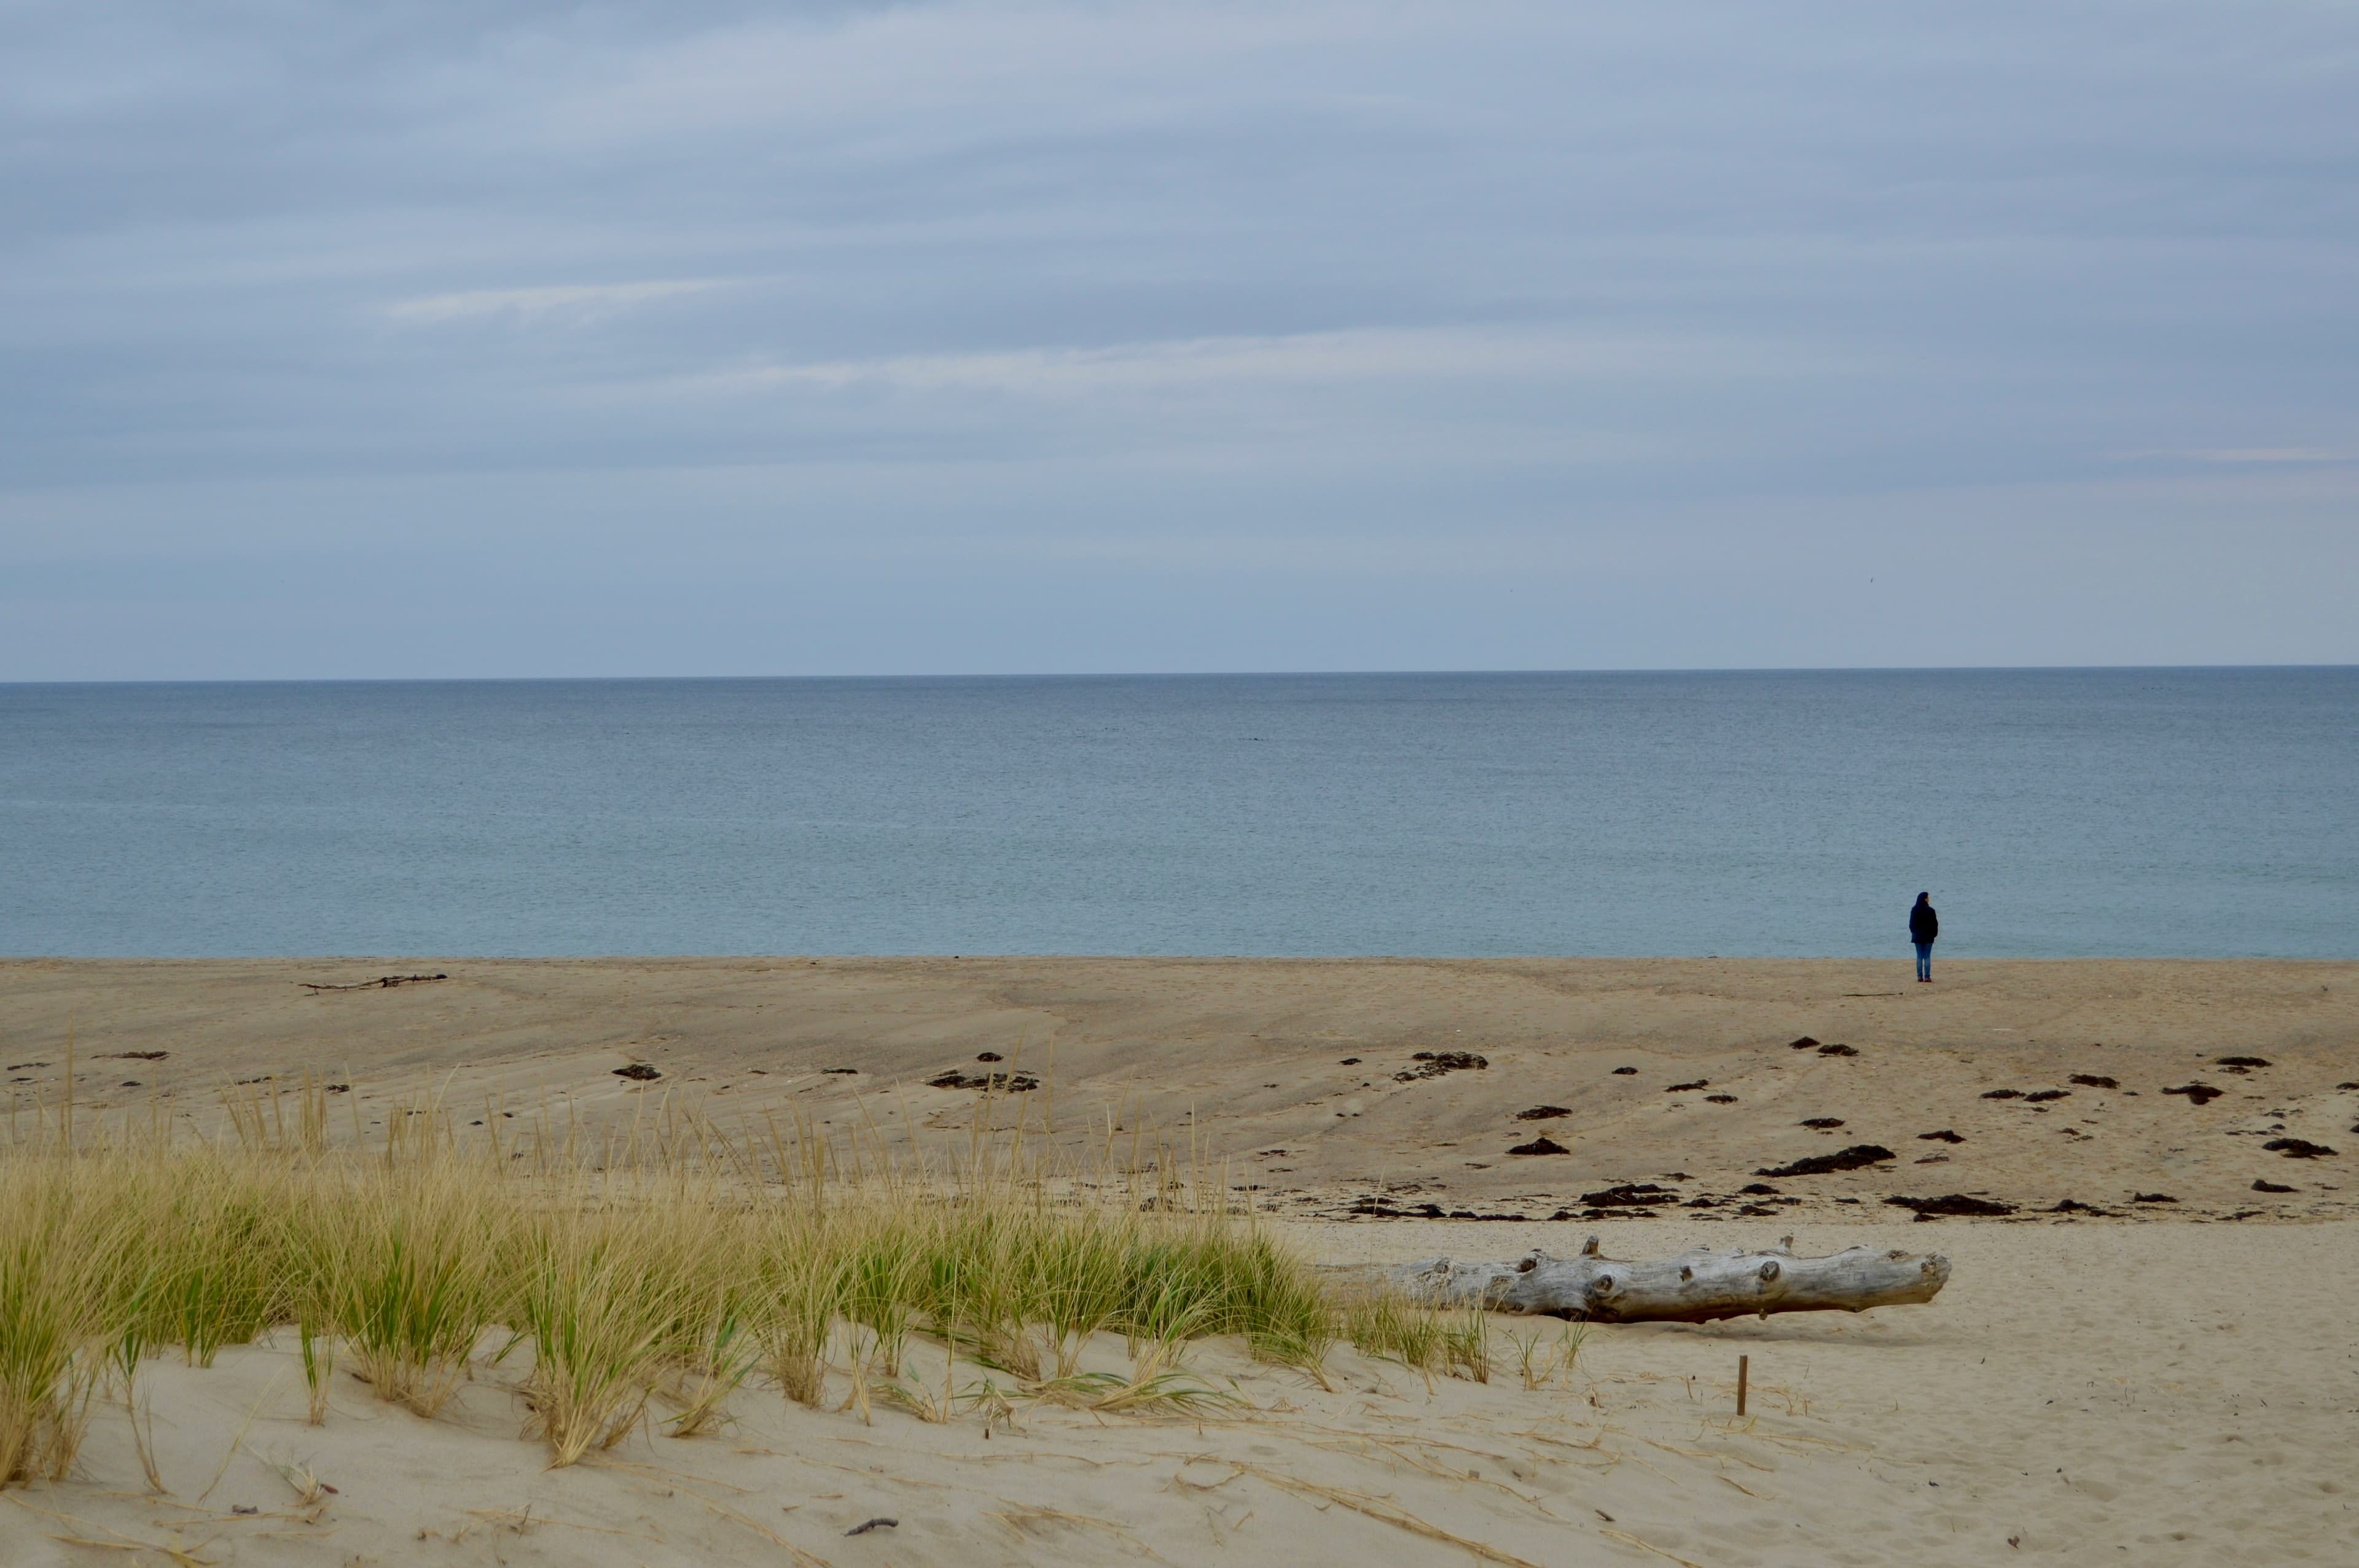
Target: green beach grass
(647,1280)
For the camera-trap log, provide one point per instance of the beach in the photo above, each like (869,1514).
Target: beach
(2115,1380)
(1289,1070)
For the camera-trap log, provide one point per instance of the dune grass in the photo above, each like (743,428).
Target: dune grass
(647,1280)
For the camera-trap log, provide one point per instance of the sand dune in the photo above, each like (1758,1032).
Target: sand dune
(2088,1389)
(2089,1394)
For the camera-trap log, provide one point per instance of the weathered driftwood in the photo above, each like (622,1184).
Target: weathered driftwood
(1693,1287)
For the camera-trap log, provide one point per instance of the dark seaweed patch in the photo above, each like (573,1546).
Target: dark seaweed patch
(1954,1204)
(1944,1136)
(1852,1159)
(1002,1083)
(1433,1064)
(2095,1081)
(2197,1093)
(2297,1148)
(1543,1144)
(1638,1194)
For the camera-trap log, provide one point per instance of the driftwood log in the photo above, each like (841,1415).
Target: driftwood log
(1693,1287)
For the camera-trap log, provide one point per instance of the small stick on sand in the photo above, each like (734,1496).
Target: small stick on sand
(383,983)
(1743,1371)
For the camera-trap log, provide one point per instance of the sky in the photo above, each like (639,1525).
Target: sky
(457,338)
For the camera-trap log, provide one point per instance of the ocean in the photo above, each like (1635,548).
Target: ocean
(2050,813)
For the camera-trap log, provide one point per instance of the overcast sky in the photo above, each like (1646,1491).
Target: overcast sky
(478,339)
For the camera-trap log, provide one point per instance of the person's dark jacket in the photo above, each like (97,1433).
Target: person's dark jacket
(1923,923)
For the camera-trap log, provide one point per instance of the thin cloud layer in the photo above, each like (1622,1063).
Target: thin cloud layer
(717,337)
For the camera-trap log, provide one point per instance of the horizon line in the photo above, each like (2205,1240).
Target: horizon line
(1178,675)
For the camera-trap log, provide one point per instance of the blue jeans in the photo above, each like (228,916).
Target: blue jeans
(1924,961)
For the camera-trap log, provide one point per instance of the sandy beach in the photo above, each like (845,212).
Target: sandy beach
(1675,1073)
(2115,1381)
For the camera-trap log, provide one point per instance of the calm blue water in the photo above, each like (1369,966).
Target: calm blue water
(2054,813)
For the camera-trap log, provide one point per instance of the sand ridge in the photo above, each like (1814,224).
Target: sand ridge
(2035,1412)
(1292,1071)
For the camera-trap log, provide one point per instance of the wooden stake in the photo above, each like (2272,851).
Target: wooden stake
(1743,1373)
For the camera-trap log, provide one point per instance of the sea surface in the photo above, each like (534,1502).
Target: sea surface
(2066,813)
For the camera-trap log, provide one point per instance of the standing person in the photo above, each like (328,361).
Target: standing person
(1923,927)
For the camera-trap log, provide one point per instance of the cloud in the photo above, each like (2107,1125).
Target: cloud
(2270,455)
(572,301)
(1181,287)
(1303,358)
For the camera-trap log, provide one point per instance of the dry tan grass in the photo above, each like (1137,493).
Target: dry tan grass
(657,1271)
